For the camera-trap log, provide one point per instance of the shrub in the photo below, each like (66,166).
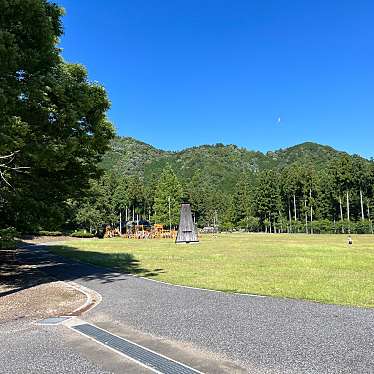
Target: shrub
(323,226)
(50,233)
(361,227)
(250,224)
(7,238)
(298,226)
(82,234)
(341,227)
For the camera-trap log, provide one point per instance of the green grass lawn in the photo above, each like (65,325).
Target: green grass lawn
(320,267)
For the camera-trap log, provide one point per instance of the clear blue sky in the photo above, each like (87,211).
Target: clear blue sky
(183,73)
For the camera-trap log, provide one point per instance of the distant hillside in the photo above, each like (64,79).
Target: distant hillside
(317,154)
(129,156)
(221,163)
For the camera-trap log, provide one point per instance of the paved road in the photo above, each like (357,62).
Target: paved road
(27,348)
(263,335)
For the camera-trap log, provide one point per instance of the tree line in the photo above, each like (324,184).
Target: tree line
(298,198)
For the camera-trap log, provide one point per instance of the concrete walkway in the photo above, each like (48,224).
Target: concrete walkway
(258,335)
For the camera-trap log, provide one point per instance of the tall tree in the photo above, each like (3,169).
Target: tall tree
(168,196)
(342,171)
(49,113)
(268,198)
(243,200)
(362,180)
(200,193)
(291,182)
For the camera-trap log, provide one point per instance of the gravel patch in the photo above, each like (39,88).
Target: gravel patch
(44,239)
(42,301)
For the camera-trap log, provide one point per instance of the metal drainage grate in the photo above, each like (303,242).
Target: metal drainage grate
(142,355)
(53,320)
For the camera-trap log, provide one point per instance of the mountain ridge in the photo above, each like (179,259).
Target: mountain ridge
(306,143)
(221,163)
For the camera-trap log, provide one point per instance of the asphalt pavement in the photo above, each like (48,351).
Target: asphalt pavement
(29,348)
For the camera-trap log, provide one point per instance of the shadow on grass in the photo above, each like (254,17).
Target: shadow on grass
(34,264)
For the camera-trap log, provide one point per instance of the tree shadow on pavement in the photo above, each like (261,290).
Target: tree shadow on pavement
(34,264)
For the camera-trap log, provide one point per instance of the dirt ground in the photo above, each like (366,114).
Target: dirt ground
(26,292)
(45,239)
(42,301)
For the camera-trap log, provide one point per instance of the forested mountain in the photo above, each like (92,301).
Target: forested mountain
(129,156)
(306,188)
(317,154)
(220,163)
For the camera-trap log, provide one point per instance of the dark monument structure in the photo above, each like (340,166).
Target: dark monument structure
(187,231)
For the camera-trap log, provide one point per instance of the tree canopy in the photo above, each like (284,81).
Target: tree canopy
(51,115)
(168,195)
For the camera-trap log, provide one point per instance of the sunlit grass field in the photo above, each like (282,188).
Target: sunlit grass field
(321,268)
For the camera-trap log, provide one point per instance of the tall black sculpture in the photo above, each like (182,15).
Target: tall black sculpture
(187,231)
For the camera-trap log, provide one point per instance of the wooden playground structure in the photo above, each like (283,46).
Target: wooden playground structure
(143,229)
(140,231)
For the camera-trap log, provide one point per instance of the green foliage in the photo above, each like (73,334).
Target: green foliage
(250,223)
(96,208)
(200,193)
(324,227)
(362,227)
(50,233)
(7,240)
(129,156)
(50,114)
(220,164)
(267,196)
(168,197)
(82,234)
(281,191)
(243,201)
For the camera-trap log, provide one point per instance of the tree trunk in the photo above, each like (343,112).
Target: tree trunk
(306,217)
(348,213)
(348,210)
(341,213)
(289,216)
(362,205)
(311,211)
(370,222)
(294,206)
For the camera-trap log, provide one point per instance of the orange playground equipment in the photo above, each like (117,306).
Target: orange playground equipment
(159,232)
(155,232)
(140,231)
(111,232)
